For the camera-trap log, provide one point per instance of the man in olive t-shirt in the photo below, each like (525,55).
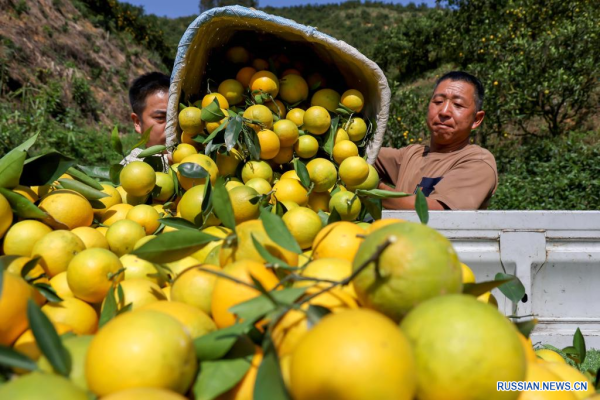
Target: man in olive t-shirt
(452,173)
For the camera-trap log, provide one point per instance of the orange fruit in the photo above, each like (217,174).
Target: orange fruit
(89,274)
(227,293)
(61,286)
(139,292)
(243,247)
(340,135)
(306,146)
(138,178)
(203,161)
(146,216)
(244,76)
(260,185)
(354,171)
(371,182)
(210,98)
(218,231)
(232,90)
(326,98)
(287,131)
(467,274)
(266,82)
(269,144)
(343,150)
(259,64)
(429,267)
(115,213)
(182,151)
(357,129)
(122,236)
(130,199)
(304,224)
(197,323)
(114,198)
(322,173)
(34,386)
(91,238)
(27,344)
(353,99)
(293,88)
(22,236)
(259,113)
(143,340)
(257,169)
(338,240)
(56,249)
(346,205)
(538,373)
(136,268)
(167,187)
(319,201)
(315,80)
(75,313)
(237,55)
(144,394)
(381,364)
(228,163)
(67,209)
(13,307)
(432,328)
(244,389)
(26,192)
(190,120)
(243,209)
(290,190)
(316,120)
(285,155)
(194,287)
(380,223)
(296,115)
(6,215)
(212,126)
(278,108)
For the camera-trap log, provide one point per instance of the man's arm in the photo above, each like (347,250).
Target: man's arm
(406,203)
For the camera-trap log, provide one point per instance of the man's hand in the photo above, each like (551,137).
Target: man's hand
(405,203)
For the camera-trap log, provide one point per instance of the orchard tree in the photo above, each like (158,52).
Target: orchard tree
(208,4)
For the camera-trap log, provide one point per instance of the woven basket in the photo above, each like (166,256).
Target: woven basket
(201,54)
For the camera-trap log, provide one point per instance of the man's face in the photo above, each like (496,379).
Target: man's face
(452,113)
(155,116)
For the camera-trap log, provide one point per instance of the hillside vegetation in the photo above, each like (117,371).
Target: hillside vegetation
(65,66)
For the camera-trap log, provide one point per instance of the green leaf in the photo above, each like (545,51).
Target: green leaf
(48,292)
(87,191)
(212,112)
(96,172)
(207,200)
(192,170)
(421,207)
(182,107)
(232,132)
(324,217)
(115,173)
(269,382)
(48,340)
(513,289)
(11,165)
(22,206)
(142,142)
(373,207)
(179,223)
(217,377)
(115,141)
(257,307)
(213,134)
(155,162)
(109,309)
(252,143)
(477,289)
(173,246)
(334,216)
(278,231)
(82,177)
(45,169)
(152,150)
(268,257)
(330,137)
(380,194)
(11,358)
(11,168)
(216,344)
(222,204)
(579,344)
(526,327)
(302,173)
(315,313)
(29,265)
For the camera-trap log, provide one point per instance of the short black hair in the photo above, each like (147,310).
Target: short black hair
(145,85)
(466,77)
